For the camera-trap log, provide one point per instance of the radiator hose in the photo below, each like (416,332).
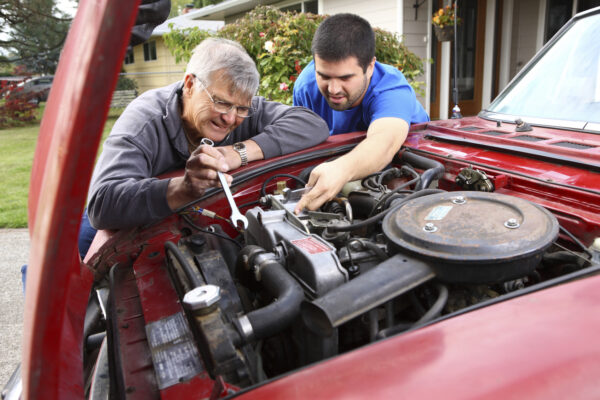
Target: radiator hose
(433,169)
(272,276)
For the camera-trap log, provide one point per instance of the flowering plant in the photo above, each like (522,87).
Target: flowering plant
(445,16)
(280,44)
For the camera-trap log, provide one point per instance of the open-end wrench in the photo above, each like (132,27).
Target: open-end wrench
(236,217)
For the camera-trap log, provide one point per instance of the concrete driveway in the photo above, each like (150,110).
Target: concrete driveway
(14,252)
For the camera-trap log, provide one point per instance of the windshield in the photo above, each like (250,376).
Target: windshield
(564,84)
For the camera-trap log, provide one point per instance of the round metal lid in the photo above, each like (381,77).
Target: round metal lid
(470,227)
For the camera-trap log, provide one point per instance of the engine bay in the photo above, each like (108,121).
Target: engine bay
(393,253)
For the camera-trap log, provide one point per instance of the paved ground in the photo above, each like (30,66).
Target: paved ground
(14,252)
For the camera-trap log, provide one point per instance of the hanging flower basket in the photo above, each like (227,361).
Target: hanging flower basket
(443,21)
(444,34)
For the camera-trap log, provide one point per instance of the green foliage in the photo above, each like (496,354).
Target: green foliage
(389,49)
(181,42)
(125,83)
(279,42)
(32,34)
(177,6)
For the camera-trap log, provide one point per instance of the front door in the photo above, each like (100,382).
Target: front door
(470,43)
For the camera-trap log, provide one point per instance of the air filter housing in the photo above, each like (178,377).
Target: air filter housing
(472,237)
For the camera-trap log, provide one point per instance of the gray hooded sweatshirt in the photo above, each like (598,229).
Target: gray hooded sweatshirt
(148,140)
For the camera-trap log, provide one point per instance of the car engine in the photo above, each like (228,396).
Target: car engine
(391,254)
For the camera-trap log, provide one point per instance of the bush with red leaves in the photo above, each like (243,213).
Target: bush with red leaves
(15,110)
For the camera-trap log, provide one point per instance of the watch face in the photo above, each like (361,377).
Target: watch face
(239,146)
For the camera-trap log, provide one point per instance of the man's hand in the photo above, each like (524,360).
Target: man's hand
(384,139)
(325,181)
(200,174)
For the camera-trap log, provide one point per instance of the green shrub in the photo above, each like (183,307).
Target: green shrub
(279,42)
(125,83)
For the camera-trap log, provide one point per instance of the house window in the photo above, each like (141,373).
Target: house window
(311,7)
(302,6)
(129,57)
(150,51)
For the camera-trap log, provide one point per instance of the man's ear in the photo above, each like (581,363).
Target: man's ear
(370,67)
(188,84)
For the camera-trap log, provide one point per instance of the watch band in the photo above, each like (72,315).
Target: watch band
(241,150)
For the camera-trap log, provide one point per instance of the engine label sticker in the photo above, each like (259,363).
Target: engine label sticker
(438,213)
(310,245)
(174,354)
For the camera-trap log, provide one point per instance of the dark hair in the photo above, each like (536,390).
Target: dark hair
(344,35)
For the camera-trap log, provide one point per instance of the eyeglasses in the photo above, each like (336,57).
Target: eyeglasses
(224,107)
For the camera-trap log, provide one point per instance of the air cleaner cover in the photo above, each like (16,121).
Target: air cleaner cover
(483,237)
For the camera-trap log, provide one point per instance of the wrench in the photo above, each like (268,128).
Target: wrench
(236,216)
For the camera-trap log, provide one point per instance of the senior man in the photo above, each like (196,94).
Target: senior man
(161,131)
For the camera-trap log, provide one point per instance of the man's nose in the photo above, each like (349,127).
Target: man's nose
(230,116)
(334,86)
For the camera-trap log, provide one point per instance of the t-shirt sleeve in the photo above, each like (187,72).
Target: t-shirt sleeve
(395,103)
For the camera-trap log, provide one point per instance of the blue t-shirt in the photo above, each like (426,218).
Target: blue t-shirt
(388,95)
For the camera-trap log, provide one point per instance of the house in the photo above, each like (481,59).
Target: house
(495,39)
(151,64)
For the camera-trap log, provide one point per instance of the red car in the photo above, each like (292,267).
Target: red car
(468,269)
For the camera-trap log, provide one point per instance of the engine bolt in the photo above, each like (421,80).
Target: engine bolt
(459,200)
(512,223)
(430,227)
(353,270)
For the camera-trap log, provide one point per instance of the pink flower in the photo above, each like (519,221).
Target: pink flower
(261,34)
(283,86)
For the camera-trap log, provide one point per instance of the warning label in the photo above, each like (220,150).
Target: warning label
(310,245)
(174,354)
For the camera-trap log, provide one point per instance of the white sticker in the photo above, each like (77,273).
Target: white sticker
(174,354)
(438,213)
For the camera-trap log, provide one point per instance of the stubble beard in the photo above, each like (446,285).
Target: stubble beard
(349,104)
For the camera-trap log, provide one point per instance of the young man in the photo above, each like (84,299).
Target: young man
(346,86)
(161,131)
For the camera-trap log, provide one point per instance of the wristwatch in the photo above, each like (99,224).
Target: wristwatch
(241,150)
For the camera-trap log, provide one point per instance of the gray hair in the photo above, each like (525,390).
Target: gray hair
(226,56)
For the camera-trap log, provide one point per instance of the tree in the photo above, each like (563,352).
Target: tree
(32,33)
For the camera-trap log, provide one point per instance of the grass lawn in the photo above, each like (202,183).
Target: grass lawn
(17,146)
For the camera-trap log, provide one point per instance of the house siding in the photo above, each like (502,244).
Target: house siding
(379,13)
(156,73)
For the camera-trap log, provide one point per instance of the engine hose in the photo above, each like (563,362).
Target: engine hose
(378,217)
(288,294)
(563,257)
(433,169)
(193,280)
(433,312)
(437,307)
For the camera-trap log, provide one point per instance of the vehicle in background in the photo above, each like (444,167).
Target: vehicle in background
(468,269)
(34,90)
